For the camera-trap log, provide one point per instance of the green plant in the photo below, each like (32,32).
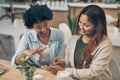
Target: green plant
(27,70)
(118,15)
(71,19)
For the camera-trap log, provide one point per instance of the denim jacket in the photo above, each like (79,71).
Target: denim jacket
(30,41)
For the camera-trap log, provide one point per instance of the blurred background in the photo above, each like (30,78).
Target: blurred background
(12,26)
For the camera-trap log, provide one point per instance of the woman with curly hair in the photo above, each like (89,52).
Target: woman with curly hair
(88,54)
(40,43)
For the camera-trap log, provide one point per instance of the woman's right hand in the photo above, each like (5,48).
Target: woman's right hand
(58,62)
(33,52)
(29,53)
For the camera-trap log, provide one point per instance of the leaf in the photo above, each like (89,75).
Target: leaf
(26,69)
(71,21)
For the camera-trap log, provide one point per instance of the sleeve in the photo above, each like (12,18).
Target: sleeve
(98,66)
(21,47)
(61,45)
(69,51)
(67,56)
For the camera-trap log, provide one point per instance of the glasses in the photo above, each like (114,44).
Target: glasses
(41,27)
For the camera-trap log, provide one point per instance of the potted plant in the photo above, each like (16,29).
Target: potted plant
(71,19)
(118,15)
(10,9)
(27,70)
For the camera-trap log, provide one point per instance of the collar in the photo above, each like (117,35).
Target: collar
(35,37)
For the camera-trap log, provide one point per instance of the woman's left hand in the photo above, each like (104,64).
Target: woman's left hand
(58,62)
(53,69)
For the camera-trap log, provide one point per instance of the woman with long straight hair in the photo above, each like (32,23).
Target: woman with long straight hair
(89,51)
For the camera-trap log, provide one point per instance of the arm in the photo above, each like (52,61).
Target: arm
(19,52)
(25,49)
(61,45)
(69,51)
(98,66)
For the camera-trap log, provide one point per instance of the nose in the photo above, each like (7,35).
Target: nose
(43,29)
(81,26)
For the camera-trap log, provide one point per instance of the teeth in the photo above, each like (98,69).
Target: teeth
(82,31)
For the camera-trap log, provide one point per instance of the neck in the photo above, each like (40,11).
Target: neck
(44,40)
(86,39)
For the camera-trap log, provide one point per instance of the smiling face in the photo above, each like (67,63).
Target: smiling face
(42,28)
(86,27)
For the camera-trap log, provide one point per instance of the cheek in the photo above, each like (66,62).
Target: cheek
(47,28)
(38,31)
(89,30)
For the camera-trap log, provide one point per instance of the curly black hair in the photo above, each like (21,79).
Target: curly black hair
(36,13)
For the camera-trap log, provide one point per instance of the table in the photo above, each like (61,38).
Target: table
(14,74)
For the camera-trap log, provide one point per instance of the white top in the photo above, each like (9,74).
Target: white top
(45,53)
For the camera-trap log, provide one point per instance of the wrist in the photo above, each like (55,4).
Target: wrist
(24,55)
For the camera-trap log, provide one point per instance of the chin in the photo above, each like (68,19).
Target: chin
(43,35)
(82,33)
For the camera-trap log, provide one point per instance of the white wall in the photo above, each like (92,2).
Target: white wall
(15,29)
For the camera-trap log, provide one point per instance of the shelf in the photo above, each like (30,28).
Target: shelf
(111,6)
(61,6)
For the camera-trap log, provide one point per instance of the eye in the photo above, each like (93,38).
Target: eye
(38,27)
(86,25)
(80,23)
(45,25)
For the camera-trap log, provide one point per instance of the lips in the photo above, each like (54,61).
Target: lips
(43,33)
(82,31)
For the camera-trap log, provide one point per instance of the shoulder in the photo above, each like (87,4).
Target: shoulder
(104,46)
(56,34)
(72,41)
(29,34)
(75,38)
(105,41)
(103,50)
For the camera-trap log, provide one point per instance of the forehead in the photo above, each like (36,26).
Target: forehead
(84,18)
(42,22)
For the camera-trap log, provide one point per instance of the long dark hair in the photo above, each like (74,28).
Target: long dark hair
(97,17)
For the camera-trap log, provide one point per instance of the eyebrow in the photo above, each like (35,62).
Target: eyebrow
(85,23)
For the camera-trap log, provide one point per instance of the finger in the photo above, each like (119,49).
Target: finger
(55,60)
(30,52)
(34,51)
(55,63)
(44,67)
(47,68)
(41,49)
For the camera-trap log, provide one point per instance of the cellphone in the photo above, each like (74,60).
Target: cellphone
(30,61)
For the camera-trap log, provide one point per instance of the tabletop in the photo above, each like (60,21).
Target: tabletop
(14,74)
